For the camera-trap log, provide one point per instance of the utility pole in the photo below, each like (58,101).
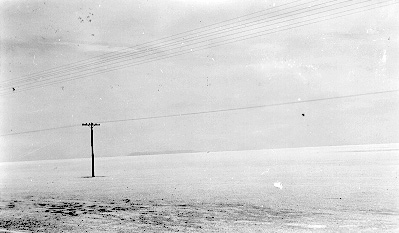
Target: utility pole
(91,125)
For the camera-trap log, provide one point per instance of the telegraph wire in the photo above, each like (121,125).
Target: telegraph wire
(146,61)
(98,72)
(250,107)
(163,38)
(40,130)
(117,62)
(213,111)
(128,55)
(178,48)
(82,66)
(202,47)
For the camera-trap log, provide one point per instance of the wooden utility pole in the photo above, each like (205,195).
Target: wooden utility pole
(91,124)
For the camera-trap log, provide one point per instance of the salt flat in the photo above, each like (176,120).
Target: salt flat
(326,189)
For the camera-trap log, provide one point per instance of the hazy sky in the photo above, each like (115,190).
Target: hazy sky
(350,55)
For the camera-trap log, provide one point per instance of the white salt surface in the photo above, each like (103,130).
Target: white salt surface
(347,188)
(278,185)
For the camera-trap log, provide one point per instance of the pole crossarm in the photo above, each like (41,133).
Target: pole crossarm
(90,124)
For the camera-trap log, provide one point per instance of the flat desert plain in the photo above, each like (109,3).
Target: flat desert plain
(324,189)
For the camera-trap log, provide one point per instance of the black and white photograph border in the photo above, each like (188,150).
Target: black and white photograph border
(199,116)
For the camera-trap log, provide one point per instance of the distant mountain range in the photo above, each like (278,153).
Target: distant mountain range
(139,153)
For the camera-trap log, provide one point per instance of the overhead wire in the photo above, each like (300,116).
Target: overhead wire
(150,42)
(40,130)
(142,62)
(250,107)
(132,47)
(224,42)
(135,64)
(279,22)
(156,49)
(101,63)
(98,62)
(213,111)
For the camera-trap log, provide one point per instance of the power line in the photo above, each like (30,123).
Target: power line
(252,35)
(151,47)
(213,111)
(100,63)
(251,107)
(240,38)
(137,46)
(87,74)
(40,130)
(102,71)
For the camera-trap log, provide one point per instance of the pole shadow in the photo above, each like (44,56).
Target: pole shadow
(87,177)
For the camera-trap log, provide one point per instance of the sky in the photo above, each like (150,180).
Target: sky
(344,56)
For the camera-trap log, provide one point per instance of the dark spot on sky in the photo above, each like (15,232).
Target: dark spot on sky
(92,34)
(303,114)
(389,38)
(13,89)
